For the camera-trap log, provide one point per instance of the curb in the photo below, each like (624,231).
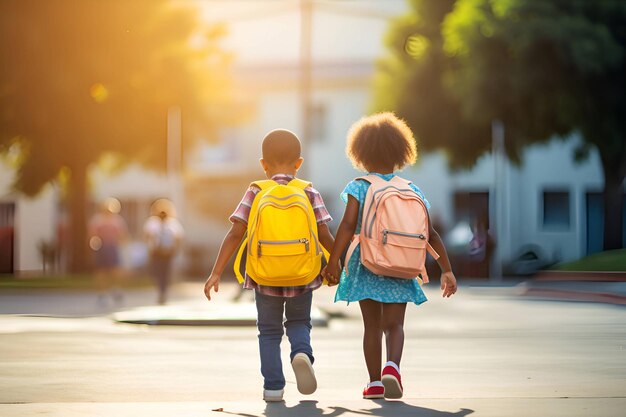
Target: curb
(224,315)
(557,294)
(611,292)
(595,276)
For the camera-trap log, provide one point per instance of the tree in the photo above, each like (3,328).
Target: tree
(544,68)
(85,78)
(411,82)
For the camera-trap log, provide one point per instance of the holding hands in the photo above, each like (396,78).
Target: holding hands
(331,273)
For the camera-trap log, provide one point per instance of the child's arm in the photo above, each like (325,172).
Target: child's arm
(328,241)
(227,249)
(448,281)
(344,236)
(326,238)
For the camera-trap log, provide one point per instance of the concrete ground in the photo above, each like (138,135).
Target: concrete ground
(485,352)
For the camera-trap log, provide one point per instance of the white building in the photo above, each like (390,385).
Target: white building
(549,201)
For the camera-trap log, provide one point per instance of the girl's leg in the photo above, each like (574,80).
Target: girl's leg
(393,326)
(372,336)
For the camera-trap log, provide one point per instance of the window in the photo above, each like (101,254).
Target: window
(556,212)
(7,214)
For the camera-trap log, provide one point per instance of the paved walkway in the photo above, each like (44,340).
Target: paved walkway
(486,352)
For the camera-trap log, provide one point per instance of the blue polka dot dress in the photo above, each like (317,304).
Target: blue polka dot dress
(361,283)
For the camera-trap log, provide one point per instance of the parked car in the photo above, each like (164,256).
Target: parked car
(529,259)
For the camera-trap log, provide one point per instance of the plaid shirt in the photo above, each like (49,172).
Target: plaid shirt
(242,213)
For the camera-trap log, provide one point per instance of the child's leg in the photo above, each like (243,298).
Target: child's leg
(372,336)
(270,325)
(393,326)
(298,324)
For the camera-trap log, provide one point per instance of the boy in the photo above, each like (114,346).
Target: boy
(281,161)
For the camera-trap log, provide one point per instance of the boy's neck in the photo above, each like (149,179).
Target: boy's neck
(281,171)
(273,174)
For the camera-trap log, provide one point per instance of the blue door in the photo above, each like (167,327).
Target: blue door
(595,222)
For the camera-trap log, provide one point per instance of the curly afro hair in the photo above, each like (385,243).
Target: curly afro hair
(381,140)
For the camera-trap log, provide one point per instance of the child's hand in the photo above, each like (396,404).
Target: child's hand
(448,284)
(212,281)
(332,273)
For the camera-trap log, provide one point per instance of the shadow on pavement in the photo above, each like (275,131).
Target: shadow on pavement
(386,409)
(302,409)
(401,409)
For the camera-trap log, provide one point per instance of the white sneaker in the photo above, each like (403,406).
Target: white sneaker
(273,395)
(305,377)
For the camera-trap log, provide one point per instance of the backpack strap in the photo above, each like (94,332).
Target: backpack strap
(297,182)
(239,266)
(355,242)
(401,181)
(372,179)
(264,184)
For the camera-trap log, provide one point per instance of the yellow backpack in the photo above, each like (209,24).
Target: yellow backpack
(281,248)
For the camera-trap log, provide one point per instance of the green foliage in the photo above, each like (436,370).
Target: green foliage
(614,260)
(411,81)
(83,77)
(543,67)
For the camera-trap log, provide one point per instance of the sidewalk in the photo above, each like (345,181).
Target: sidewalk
(485,352)
(191,308)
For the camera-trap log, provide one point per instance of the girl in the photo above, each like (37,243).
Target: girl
(380,145)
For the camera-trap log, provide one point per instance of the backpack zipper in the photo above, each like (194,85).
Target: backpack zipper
(317,244)
(282,242)
(371,223)
(378,200)
(392,232)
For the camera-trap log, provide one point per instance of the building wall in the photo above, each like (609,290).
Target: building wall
(545,167)
(34,221)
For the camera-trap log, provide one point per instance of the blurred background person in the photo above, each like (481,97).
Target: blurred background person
(164,235)
(480,249)
(108,231)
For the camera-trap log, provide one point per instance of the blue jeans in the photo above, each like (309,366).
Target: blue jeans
(270,310)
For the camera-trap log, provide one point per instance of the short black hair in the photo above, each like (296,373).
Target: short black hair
(379,140)
(281,146)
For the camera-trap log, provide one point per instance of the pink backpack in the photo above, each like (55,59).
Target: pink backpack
(394,230)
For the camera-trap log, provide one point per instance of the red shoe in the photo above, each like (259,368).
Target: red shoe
(393,382)
(375,392)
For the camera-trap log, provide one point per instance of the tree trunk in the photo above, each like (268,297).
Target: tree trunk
(613,201)
(79,256)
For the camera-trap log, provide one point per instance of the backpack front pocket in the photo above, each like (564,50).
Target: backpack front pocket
(282,247)
(402,251)
(274,256)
